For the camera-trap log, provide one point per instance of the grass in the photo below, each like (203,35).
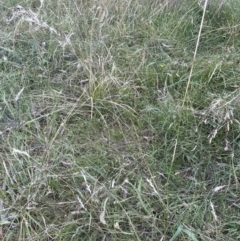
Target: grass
(100,137)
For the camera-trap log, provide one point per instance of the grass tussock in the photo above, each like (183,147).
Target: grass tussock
(119,120)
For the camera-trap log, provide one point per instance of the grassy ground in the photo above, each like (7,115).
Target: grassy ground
(115,124)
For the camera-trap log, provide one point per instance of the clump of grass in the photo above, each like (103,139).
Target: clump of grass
(95,140)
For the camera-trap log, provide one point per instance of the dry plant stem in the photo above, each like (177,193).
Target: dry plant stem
(187,87)
(188,82)
(171,167)
(195,53)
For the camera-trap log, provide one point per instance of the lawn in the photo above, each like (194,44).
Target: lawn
(120,120)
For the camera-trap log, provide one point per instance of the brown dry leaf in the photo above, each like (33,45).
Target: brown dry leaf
(147,138)
(116,226)
(1,233)
(216,189)
(102,220)
(213,212)
(18,95)
(102,215)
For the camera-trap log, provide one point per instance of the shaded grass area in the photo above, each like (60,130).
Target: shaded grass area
(95,141)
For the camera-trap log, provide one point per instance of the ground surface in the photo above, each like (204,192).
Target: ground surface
(119,120)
